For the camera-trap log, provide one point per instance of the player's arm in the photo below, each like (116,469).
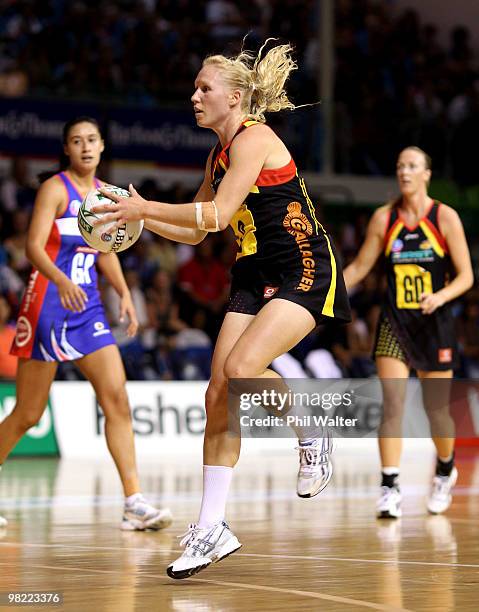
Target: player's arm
(370,250)
(109,266)
(247,156)
(186,235)
(453,232)
(48,204)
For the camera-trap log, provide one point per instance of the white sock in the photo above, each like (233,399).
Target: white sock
(131,499)
(301,427)
(216,484)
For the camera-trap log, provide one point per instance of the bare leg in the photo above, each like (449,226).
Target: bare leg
(275,330)
(221,447)
(104,369)
(34,379)
(247,364)
(391,371)
(245,347)
(436,388)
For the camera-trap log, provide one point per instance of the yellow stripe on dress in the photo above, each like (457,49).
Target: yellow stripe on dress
(328,308)
(310,205)
(432,238)
(393,237)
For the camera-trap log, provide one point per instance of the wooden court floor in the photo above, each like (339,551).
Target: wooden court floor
(327,554)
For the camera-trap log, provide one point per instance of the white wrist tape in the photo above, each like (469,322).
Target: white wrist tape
(199,214)
(207,216)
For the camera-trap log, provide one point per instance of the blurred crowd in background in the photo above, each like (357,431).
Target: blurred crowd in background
(181,292)
(395,85)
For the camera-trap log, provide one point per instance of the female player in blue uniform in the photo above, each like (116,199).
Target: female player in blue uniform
(62,318)
(286,278)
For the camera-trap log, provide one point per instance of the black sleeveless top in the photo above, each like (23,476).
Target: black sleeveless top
(283,250)
(418,262)
(277,213)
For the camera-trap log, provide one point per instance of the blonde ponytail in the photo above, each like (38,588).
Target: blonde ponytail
(261,79)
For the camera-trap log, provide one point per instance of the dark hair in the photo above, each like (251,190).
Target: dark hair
(64,161)
(81,119)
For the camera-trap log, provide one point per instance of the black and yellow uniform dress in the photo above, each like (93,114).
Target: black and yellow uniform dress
(283,250)
(417,262)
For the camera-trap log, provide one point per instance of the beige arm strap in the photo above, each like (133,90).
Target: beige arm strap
(207,216)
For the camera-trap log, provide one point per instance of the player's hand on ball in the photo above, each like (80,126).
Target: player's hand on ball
(72,296)
(120,210)
(431,302)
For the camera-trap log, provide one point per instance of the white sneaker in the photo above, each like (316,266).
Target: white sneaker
(315,466)
(389,504)
(440,497)
(202,547)
(141,515)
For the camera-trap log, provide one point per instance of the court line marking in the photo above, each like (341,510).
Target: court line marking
(239,585)
(254,555)
(396,562)
(462,520)
(34,503)
(38,502)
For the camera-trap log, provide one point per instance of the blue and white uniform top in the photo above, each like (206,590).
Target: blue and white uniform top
(45,330)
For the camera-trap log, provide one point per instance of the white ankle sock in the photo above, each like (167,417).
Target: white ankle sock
(131,499)
(301,426)
(216,484)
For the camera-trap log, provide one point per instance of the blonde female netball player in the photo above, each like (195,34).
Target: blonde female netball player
(62,318)
(286,278)
(420,238)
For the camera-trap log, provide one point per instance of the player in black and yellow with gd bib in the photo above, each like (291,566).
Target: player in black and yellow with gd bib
(417,264)
(427,265)
(286,279)
(283,250)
